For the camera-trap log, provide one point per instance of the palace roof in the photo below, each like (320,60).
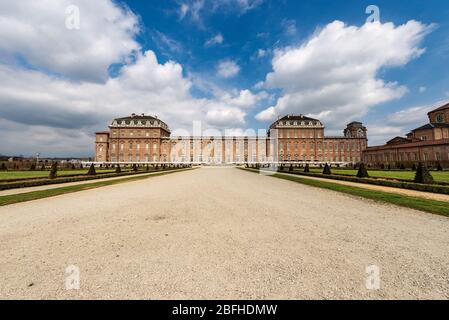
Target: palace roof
(139,121)
(432,126)
(446,106)
(296,121)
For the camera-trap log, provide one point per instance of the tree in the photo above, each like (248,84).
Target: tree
(281,168)
(92,171)
(73,166)
(135,168)
(327,169)
(43,167)
(439,167)
(291,168)
(402,166)
(147,168)
(423,175)
(3,167)
(362,173)
(33,167)
(414,167)
(118,169)
(307,168)
(53,171)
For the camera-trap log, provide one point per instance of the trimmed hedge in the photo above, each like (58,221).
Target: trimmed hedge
(78,178)
(433,188)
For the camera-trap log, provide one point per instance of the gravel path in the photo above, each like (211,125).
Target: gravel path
(220,233)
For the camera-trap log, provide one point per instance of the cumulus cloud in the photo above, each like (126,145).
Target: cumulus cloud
(54,107)
(36,31)
(401,122)
(228,69)
(242,99)
(217,39)
(289,27)
(195,9)
(335,73)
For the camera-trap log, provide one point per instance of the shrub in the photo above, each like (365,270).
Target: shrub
(291,168)
(327,169)
(362,173)
(81,166)
(134,168)
(281,168)
(73,166)
(3,167)
(43,167)
(147,168)
(402,167)
(92,171)
(414,167)
(118,169)
(439,167)
(423,175)
(307,168)
(53,171)
(33,167)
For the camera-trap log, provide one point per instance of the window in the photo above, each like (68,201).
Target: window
(424,138)
(440,118)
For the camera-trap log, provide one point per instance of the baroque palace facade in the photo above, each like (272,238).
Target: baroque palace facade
(294,139)
(428,144)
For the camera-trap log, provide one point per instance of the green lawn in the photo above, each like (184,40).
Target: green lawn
(35,195)
(8,175)
(427,205)
(440,176)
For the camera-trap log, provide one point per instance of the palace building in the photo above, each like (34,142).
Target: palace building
(146,139)
(428,144)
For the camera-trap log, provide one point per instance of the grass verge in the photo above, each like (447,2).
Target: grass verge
(427,205)
(35,195)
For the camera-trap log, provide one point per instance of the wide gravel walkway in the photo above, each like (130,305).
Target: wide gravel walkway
(220,233)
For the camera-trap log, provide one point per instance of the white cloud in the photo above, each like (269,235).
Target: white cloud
(228,69)
(41,111)
(410,116)
(335,73)
(261,53)
(165,43)
(195,9)
(36,31)
(422,89)
(401,122)
(217,39)
(289,27)
(242,99)
(183,10)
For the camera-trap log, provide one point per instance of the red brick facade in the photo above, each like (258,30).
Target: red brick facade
(428,144)
(144,139)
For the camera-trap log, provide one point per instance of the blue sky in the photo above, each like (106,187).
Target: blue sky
(265,28)
(231,64)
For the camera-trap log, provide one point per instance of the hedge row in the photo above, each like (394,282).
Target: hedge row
(44,182)
(434,188)
(44,178)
